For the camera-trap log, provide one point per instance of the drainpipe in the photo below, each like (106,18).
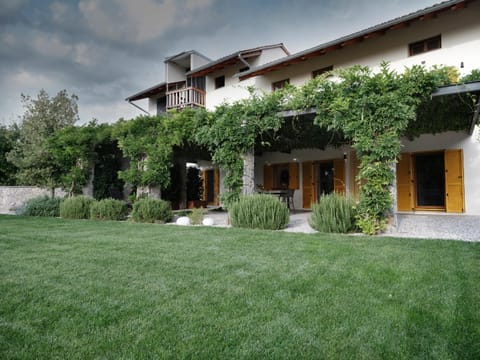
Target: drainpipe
(243,60)
(138,107)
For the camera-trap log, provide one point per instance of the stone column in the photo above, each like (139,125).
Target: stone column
(393,192)
(248,173)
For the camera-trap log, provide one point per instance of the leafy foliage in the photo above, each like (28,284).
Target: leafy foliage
(196,216)
(108,209)
(373,111)
(77,207)
(149,142)
(73,150)
(334,213)
(152,210)
(108,162)
(43,117)
(42,206)
(8,137)
(259,212)
(233,129)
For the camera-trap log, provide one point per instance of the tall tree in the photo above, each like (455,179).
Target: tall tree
(73,151)
(8,137)
(43,117)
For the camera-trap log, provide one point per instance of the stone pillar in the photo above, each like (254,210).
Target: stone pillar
(248,173)
(393,192)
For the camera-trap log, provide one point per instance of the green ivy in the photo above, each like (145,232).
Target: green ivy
(370,111)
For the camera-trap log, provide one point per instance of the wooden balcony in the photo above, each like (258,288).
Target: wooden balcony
(187,97)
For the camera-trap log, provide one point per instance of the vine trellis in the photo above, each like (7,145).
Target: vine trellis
(371,111)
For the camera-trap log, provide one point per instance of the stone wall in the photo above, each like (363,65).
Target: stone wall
(13,197)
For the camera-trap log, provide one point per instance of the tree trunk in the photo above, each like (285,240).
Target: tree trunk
(248,173)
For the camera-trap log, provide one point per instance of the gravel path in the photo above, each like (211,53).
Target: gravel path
(426,226)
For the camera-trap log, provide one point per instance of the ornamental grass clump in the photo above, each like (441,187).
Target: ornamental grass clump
(196,216)
(333,214)
(77,207)
(108,209)
(152,210)
(259,212)
(42,206)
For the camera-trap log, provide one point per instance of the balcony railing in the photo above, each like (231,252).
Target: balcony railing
(187,97)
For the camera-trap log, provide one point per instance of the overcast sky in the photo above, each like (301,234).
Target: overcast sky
(106,50)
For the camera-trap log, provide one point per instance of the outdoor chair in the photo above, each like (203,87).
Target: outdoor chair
(288,198)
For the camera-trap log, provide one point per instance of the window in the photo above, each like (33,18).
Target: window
(426,45)
(280,84)
(161,105)
(321,71)
(219,82)
(243,69)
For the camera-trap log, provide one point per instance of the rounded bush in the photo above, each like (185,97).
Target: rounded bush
(42,206)
(333,214)
(108,209)
(259,212)
(152,210)
(77,207)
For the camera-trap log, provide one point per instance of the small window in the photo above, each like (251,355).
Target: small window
(243,69)
(219,82)
(280,84)
(321,71)
(426,45)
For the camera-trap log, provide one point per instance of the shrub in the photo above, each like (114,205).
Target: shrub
(196,216)
(108,209)
(152,210)
(77,207)
(42,206)
(259,212)
(333,214)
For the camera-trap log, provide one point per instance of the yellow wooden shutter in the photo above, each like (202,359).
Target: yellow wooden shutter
(308,184)
(404,183)
(268,177)
(454,198)
(293,181)
(339,176)
(216,186)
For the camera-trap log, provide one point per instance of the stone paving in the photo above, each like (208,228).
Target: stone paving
(428,226)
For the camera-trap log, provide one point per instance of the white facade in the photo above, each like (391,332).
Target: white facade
(456,22)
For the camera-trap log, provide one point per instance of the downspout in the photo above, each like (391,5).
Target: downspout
(139,108)
(243,60)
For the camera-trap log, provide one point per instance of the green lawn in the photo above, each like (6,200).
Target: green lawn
(85,289)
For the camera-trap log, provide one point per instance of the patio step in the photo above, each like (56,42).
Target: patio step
(440,226)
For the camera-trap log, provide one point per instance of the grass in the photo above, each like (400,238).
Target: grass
(75,289)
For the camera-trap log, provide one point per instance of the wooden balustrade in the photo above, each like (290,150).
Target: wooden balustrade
(187,97)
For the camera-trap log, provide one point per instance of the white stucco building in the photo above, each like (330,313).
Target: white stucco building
(436,173)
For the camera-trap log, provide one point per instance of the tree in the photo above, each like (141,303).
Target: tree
(8,137)
(43,117)
(73,152)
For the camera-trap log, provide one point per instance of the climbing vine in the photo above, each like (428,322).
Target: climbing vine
(233,129)
(149,142)
(369,110)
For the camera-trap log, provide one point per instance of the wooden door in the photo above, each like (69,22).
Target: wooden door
(454,193)
(268,177)
(293,173)
(308,184)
